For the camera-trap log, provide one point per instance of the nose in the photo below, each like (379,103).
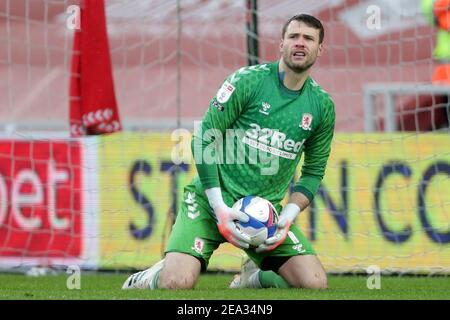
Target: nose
(300,43)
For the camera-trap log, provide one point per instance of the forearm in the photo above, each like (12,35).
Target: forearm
(214,196)
(300,200)
(207,170)
(297,202)
(316,154)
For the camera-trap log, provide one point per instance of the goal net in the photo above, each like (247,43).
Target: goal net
(108,202)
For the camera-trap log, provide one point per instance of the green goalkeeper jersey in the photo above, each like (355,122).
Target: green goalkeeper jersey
(254,132)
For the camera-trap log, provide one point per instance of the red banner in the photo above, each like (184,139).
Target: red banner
(40,199)
(93,107)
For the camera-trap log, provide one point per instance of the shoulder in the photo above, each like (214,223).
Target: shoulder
(321,96)
(243,82)
(250,75)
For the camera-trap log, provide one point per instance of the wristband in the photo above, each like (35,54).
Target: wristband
(214,196)
(291,210)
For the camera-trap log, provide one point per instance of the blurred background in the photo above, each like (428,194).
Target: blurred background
(108,201)
(170,57)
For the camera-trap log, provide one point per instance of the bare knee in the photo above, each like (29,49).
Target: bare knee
(174,277)
(176,281)
(304,272)
(314,281)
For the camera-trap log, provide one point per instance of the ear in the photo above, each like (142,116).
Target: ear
(320,50)
(281,45)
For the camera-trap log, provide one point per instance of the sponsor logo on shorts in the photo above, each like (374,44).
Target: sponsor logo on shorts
(198,245)
(299,248)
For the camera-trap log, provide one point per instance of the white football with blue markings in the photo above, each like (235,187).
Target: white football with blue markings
(263,218)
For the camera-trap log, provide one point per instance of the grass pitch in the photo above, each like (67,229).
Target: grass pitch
(215,287)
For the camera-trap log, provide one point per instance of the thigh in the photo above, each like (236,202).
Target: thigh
(195,231)
(304,271)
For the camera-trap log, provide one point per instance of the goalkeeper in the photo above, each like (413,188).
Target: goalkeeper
(249,143)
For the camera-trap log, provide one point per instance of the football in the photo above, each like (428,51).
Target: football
(263,218)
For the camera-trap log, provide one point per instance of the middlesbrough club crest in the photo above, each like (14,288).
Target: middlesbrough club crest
(306,121)
(198,245)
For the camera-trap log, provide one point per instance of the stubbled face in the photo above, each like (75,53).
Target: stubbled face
(300,46)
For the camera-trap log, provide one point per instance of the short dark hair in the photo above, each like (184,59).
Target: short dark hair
(309,20)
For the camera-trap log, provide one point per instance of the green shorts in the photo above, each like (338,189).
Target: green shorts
(195,233)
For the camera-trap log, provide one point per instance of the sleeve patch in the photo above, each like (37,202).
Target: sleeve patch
(225,92)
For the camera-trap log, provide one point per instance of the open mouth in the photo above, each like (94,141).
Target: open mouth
(299,54)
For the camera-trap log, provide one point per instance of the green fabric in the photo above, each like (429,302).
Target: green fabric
(305,191)
(269,138)
(270,279)
(195,233)
(295,244)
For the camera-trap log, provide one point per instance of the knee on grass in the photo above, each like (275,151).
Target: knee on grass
(173,281)
(316,281)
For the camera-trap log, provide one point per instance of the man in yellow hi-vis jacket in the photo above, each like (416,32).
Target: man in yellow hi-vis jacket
(437,13)
(432,112)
